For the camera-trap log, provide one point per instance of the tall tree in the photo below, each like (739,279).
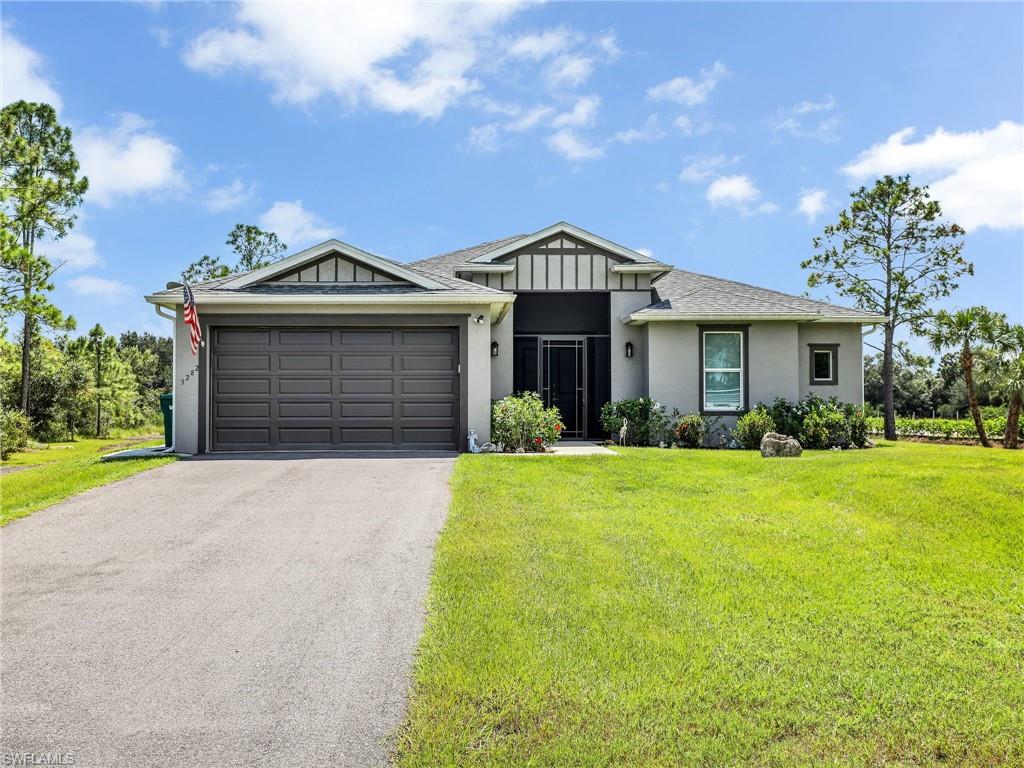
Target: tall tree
(254,247)
(964,330)
(892,253)
(1005,372)
(40,188)
(205,268)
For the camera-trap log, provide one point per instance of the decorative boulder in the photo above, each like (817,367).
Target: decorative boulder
(774,444)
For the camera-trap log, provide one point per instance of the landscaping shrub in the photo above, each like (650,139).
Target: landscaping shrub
(646,421)
(831,422)
(14,429)
(824,429)
(752,426)
(942,429)
(689,430)
(522,422)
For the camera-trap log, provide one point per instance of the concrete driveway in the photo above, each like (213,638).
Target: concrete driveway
(221,611)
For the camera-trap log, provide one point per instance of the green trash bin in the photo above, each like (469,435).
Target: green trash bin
(167,407)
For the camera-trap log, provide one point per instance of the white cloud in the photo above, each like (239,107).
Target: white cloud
(528,119)
(483,139)
(651,131)
(570,70)
(541,45)
(645,252)
(812,203)
(608,44)
(75,251)
(975,175)
(294,225)
(21,75)
(110,291)
(162,35)
(572,147)
(129,160)
(738,192)
(808,120)
(687,90)
(398,57)
(230,196)
(807,107)
(700,168)
(583,113)
(690,127)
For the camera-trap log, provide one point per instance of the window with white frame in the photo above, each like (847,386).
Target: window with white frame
(723,370)
(824,364)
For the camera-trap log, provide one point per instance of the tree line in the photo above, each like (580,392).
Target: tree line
(53,385)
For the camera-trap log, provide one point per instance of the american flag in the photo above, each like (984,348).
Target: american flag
(192,319)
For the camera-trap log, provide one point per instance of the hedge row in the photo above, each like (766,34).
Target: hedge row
(949,429)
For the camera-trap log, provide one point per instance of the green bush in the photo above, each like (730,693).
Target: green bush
(521,422)
(689,431)
(943,429)
(752,426)
(824,429)
(831,422)
(14,429)
(645,419)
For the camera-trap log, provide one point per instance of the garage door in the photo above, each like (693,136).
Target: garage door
(334,388)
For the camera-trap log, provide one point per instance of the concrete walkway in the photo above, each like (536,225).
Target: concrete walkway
(229,611)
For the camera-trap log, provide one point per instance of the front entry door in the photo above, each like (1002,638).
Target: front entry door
(563,371)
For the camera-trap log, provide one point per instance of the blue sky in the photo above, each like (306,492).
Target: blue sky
(721,138)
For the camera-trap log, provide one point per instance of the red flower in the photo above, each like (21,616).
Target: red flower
(558,427)
(538,440)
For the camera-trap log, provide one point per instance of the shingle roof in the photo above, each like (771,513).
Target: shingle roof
(688,293)
(452,285)
(445,263)
(679,292)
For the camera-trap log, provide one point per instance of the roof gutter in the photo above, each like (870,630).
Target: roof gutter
(428,298)
(638,318)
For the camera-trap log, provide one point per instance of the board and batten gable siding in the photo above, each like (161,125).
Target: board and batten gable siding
(562,263)
(336,269)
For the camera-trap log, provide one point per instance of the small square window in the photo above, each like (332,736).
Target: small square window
(824,364)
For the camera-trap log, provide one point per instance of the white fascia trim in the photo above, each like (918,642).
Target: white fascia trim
(496,268)
(317,251)
(426,298)
(640,269)
(569,229)
(640,319)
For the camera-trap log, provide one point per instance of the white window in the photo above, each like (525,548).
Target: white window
(723,370)
(823,365)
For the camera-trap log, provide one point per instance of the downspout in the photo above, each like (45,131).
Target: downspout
(870,329)
(174,365)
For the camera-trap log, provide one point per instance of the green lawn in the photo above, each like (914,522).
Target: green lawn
(63,469)
(716,608)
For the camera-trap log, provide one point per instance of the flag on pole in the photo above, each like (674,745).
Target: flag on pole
(192,319)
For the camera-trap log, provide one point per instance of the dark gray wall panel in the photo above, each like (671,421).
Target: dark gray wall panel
(294,388)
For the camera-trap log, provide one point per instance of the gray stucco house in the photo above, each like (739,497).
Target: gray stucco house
(336,348)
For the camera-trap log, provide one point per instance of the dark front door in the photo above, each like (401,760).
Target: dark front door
(564,381)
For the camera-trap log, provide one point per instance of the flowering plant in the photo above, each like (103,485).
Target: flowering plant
(522,423)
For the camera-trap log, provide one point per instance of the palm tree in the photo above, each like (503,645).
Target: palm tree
(965,329)
(1006,372)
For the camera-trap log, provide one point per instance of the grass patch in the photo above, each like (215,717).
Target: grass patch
(714,608)
(60,470)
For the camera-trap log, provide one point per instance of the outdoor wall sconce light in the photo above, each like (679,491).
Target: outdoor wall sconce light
(494,349)
(629,349)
